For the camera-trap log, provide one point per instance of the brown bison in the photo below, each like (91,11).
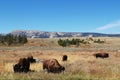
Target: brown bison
(52,66)
(101,55)
(64,58)
(23,65)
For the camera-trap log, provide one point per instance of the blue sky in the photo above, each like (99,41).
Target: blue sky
(101,16)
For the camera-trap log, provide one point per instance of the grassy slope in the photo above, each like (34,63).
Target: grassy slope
(80,65)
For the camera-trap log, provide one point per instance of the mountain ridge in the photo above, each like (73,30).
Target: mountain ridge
(47,34)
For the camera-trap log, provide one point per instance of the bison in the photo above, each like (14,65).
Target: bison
(101,55)
(23,65)
(52,66)
(64,58)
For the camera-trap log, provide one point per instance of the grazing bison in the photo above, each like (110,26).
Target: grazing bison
(64,58)
(53,66)
(101,55)
(23,65)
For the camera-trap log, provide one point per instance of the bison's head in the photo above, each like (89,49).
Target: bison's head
(62,68)
(31,60)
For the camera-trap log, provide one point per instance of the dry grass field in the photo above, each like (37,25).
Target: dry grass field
(81,64)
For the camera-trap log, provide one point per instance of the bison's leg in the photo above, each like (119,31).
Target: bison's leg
(18,68)
(15,68)
(44,66)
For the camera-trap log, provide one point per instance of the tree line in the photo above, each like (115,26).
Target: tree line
(78,42)
(10,39)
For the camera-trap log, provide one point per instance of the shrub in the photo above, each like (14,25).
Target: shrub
(10,39)
(99,41)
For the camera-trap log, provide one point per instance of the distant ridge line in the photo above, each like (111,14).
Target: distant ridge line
(47,34)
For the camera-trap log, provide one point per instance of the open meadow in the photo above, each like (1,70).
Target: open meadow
(81,64)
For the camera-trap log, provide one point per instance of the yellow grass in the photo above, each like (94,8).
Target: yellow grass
(81,63)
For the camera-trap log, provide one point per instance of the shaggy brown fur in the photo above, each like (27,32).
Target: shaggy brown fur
(23,64)
(53,66)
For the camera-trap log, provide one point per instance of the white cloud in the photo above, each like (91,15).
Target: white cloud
(110,25)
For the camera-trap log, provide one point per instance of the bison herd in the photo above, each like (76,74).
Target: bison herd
(50,65)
